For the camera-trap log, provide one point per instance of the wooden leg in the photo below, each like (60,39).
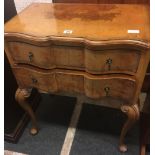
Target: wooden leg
(21,96)
(133,114)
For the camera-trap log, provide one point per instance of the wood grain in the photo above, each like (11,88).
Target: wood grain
(104,1)
(99,59)
(112,61)
(60,17)
(79,58)
(29,54)
(78,82)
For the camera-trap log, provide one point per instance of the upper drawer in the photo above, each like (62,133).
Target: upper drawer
(77,58)
(30,54)
(112,61)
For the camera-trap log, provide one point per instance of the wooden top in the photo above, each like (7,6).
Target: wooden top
(89,21)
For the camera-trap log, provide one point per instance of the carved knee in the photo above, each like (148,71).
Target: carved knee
(133,114)
(22,94)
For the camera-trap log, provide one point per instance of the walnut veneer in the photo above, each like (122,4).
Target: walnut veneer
(82,50)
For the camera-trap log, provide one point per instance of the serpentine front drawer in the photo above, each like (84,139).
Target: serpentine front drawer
(23,53)
(92,61)
(77,82)
(112,61)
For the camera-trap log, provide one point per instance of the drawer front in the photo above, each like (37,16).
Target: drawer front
(69,57)
(65,57)
(118,87)
(49,82)
(72,83)
(27,78)
(30,54)
(78,82)
(112,61)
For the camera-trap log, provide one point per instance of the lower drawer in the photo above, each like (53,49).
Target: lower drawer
(29,78)
(77,82)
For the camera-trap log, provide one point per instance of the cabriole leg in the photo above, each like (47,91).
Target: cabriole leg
(133,114)
(21,97)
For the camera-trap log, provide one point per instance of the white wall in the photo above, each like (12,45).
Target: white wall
(21,4)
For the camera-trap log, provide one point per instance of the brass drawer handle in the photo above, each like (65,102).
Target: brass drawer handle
(34,81)
(30,56)
(107,89)
(109,62)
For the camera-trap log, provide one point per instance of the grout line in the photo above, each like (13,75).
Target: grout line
(66,148)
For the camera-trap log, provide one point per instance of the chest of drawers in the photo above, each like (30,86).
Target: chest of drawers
(99,51)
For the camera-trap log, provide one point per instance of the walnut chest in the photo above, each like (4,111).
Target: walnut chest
(98,51)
